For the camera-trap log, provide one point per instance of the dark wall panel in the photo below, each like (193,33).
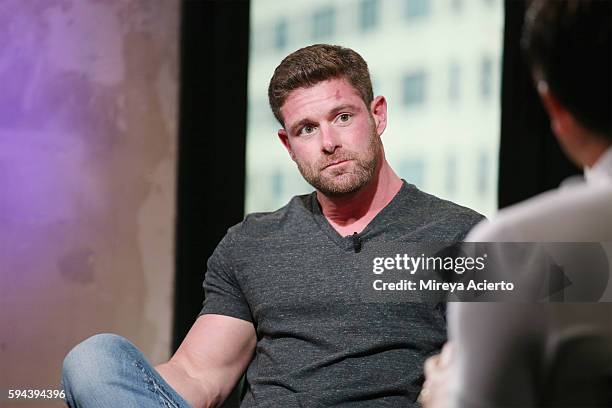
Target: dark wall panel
(212,139)
(531,160)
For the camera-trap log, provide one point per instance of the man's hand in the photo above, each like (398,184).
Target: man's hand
(211,359)
(436,392)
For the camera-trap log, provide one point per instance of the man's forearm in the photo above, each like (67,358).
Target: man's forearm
(191,389)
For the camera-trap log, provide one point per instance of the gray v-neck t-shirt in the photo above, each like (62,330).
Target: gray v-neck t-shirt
(318,342)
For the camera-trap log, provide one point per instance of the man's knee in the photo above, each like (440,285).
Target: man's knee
(94,359)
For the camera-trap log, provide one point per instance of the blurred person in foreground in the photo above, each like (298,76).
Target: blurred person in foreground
(558,355)
(280,300)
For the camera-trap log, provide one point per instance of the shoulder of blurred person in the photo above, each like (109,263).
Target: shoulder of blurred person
(502,340)
(576,211)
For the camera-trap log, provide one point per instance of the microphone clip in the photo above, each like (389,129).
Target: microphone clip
(356,243)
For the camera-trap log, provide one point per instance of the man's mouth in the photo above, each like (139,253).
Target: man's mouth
(335,163)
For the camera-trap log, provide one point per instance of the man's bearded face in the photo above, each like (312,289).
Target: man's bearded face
(354,171)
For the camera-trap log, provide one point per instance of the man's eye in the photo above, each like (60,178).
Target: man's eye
(344,117)
(307,129)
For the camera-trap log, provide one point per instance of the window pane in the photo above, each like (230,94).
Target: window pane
(323,23)
(280,34)
(452,169)
(368,14)
(413,171)
(454,82)
(416,8)
(456,5)
(414,89)
(486,77)
(482,175)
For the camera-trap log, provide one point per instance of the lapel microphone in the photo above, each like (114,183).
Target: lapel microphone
(356,242)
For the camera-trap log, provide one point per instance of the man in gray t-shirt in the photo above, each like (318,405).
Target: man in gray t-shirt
(318,342)
(282,289)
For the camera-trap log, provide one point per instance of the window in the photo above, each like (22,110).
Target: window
(368,14)
(482,176)
(323,23)
(450,181)
(277,184)
(416,8)
(413,89)
(413,171)
(486,78)
(375,84)
(454,82)
(456,5)
(280,34)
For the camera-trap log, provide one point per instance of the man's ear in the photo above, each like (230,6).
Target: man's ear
(284,138)
(562,122)
(378,109)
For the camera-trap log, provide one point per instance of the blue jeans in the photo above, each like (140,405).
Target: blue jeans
(107,370)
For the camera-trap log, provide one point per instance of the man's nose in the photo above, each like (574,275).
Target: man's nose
(330,139)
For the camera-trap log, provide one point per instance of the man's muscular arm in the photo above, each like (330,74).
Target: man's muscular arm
(210,360)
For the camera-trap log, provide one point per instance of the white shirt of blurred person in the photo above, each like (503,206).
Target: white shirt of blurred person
(554,354)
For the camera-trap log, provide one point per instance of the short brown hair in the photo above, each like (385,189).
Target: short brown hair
(310,65)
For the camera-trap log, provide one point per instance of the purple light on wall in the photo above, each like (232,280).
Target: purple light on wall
(61,69)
